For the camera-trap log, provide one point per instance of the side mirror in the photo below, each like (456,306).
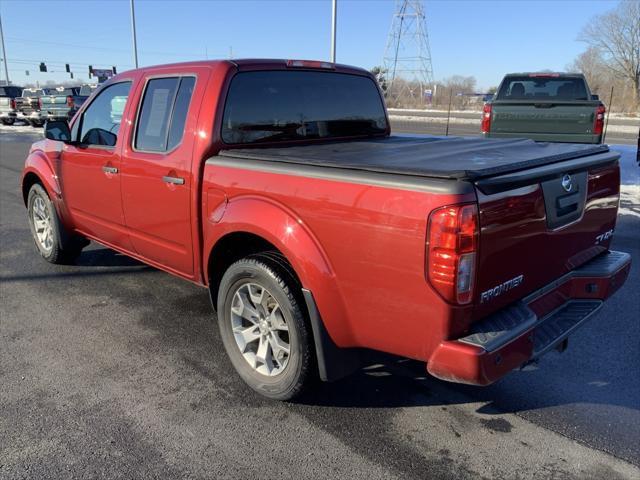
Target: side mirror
(595,97)
(57,130)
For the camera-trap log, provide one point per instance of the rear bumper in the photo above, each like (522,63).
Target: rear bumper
(8,114)
(550,137)
(531,327)
(35,115)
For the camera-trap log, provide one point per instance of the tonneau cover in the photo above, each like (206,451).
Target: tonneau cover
(440,157)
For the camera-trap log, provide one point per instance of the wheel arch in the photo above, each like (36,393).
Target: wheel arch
(251,223)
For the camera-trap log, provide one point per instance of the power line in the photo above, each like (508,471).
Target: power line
(106,49)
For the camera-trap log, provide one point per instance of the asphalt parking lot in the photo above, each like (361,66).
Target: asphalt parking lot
(111,369)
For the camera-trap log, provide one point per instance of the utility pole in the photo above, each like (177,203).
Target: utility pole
(4,54)
(334,19)
(133,34)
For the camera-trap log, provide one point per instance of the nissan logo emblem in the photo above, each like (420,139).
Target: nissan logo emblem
(566,183)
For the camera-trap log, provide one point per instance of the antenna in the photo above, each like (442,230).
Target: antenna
(407,74)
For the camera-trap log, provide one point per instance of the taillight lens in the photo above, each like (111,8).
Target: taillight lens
(39,103)
(598,123)
(13,104)
(70,101)
(452,245)
(486,118)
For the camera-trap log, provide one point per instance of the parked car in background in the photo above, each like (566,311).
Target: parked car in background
(28,105)
(549,107)
(62,103)
(8,95)
(277,186)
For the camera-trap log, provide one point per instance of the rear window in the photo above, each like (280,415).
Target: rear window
(31,93)
(287,105)
(64,91)
(86,90)
(10,91)
(543,88)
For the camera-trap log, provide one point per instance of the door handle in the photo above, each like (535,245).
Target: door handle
(107,169)
(174,180)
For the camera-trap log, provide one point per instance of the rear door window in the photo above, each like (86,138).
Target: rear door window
(163,113)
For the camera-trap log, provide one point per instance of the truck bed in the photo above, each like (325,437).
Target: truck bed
(457,158)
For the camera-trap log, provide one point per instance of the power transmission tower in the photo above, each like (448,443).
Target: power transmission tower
(407,74)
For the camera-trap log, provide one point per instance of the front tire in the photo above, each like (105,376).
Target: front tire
(264,328)
(54,243)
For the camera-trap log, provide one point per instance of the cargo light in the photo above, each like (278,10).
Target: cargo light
(452,245)
(598,122)
(310,64)
(544,75)
(485,126)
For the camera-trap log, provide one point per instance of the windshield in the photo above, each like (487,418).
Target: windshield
(288,105)
(542,88)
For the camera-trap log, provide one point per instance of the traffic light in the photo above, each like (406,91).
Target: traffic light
(114,70)
(43,67)
(26,72)
(90,71)
(71,73)
(67,68)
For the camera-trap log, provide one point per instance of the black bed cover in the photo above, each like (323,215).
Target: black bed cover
(436,157)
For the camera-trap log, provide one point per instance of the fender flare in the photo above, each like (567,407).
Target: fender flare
(38,164)
(281,227)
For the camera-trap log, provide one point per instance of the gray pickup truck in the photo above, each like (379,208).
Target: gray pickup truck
(62,103)
(28,105)
(549,107)
(8,95)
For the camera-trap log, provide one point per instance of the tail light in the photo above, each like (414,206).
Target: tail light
(70,101)
(39,104)
(598,123)
(486,118)
(452,244)
(13,104)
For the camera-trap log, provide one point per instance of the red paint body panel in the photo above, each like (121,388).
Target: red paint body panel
(358,247)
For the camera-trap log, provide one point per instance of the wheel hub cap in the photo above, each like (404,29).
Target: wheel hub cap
(42,224)
(260,329)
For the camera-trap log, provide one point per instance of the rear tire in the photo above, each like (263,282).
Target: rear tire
(264,328)
(7,121)
(54,243)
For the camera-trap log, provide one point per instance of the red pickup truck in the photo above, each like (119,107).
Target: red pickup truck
(277,186)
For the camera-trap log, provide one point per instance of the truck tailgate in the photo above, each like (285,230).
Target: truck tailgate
(524,117)
(538,224)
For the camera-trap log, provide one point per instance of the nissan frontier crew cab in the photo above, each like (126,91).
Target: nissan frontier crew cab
(277,186)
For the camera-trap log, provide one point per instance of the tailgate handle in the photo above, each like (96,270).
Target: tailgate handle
(568,200)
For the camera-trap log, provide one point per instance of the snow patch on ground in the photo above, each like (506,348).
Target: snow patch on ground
(630,200)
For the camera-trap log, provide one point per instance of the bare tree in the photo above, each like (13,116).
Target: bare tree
(616,35)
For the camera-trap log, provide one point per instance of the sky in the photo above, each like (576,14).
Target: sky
(485,39)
